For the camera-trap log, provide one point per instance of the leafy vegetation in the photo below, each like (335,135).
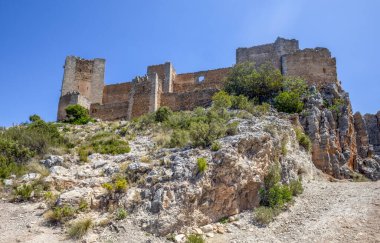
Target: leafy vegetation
(119,185)
(60,214)
(162,114)
(121,213)
(195,238)
(103,143)
(19,144)
(77,114)
(274,195)
(303,139)
(202,164)
(262,83)
(79,228)
(215,146)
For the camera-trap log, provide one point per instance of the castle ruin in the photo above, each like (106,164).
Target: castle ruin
(83,81)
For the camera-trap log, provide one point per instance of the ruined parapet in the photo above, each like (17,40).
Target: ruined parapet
(316,66)
(271,53)
(85,77)
(71,98)
(166,74)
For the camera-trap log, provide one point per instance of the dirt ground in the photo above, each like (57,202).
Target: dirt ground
(325,212)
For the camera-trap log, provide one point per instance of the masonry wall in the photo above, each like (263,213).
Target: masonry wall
(71,99)
(115,93)
(188,100)
(191,81)
(316,66)
(83,81)
(271,53)
(111,111)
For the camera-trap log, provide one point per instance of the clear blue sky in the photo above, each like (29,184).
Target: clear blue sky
(36,36)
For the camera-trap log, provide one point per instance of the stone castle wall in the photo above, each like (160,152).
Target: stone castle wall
(162,86)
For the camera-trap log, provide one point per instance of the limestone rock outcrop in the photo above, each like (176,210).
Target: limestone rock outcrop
(229,185)
(329,122)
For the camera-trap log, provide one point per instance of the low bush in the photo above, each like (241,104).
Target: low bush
(121,213)
(83,205)
(162,114)
(103,143)
(221,99)
(296,187)
(303,139)
(120,185)
(289,102)
(240,102)
(21,143)
(24,192)
(278,195)
(260,110)
(179,138)
(77,114)
(215,146)
(195,238)
(79,228)
(60,214)
(202,164)
(265,215)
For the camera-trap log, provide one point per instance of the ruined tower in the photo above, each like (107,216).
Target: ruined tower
(83,83)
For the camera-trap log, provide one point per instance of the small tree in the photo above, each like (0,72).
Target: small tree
(163,113)
(77,114)
(289,102)
(221,99)
(263,82)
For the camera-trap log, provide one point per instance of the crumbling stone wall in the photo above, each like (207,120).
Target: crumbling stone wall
(271,53)
(316,66)
(162,86)
(115,93)
(187,82)
(71,98)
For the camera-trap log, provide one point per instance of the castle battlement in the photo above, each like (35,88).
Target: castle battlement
(83,81)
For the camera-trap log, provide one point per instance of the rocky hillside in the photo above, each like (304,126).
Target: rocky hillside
(164,190)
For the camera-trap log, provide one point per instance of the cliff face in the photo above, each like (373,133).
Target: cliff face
(368,141)
(343,143)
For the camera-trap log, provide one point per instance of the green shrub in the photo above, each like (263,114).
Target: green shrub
(120,185)
(199,134)
(265,215)
(260,110)
(202,164)
(24,192)
(103,143)
(21,143)
(224,220)
(221,99)
(80,228)
(278,195)
(289,102)
(240,102)
(162,114)
(215,146)
(303,139)
(77,114)
(179,138)
(296,187)
(262,83)
(108,186)
(121,213)
(83,205)
(60,214)
(337,105)
(232,128)
(195,238)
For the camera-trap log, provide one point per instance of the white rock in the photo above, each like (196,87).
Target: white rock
(207,228)
(179,238)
